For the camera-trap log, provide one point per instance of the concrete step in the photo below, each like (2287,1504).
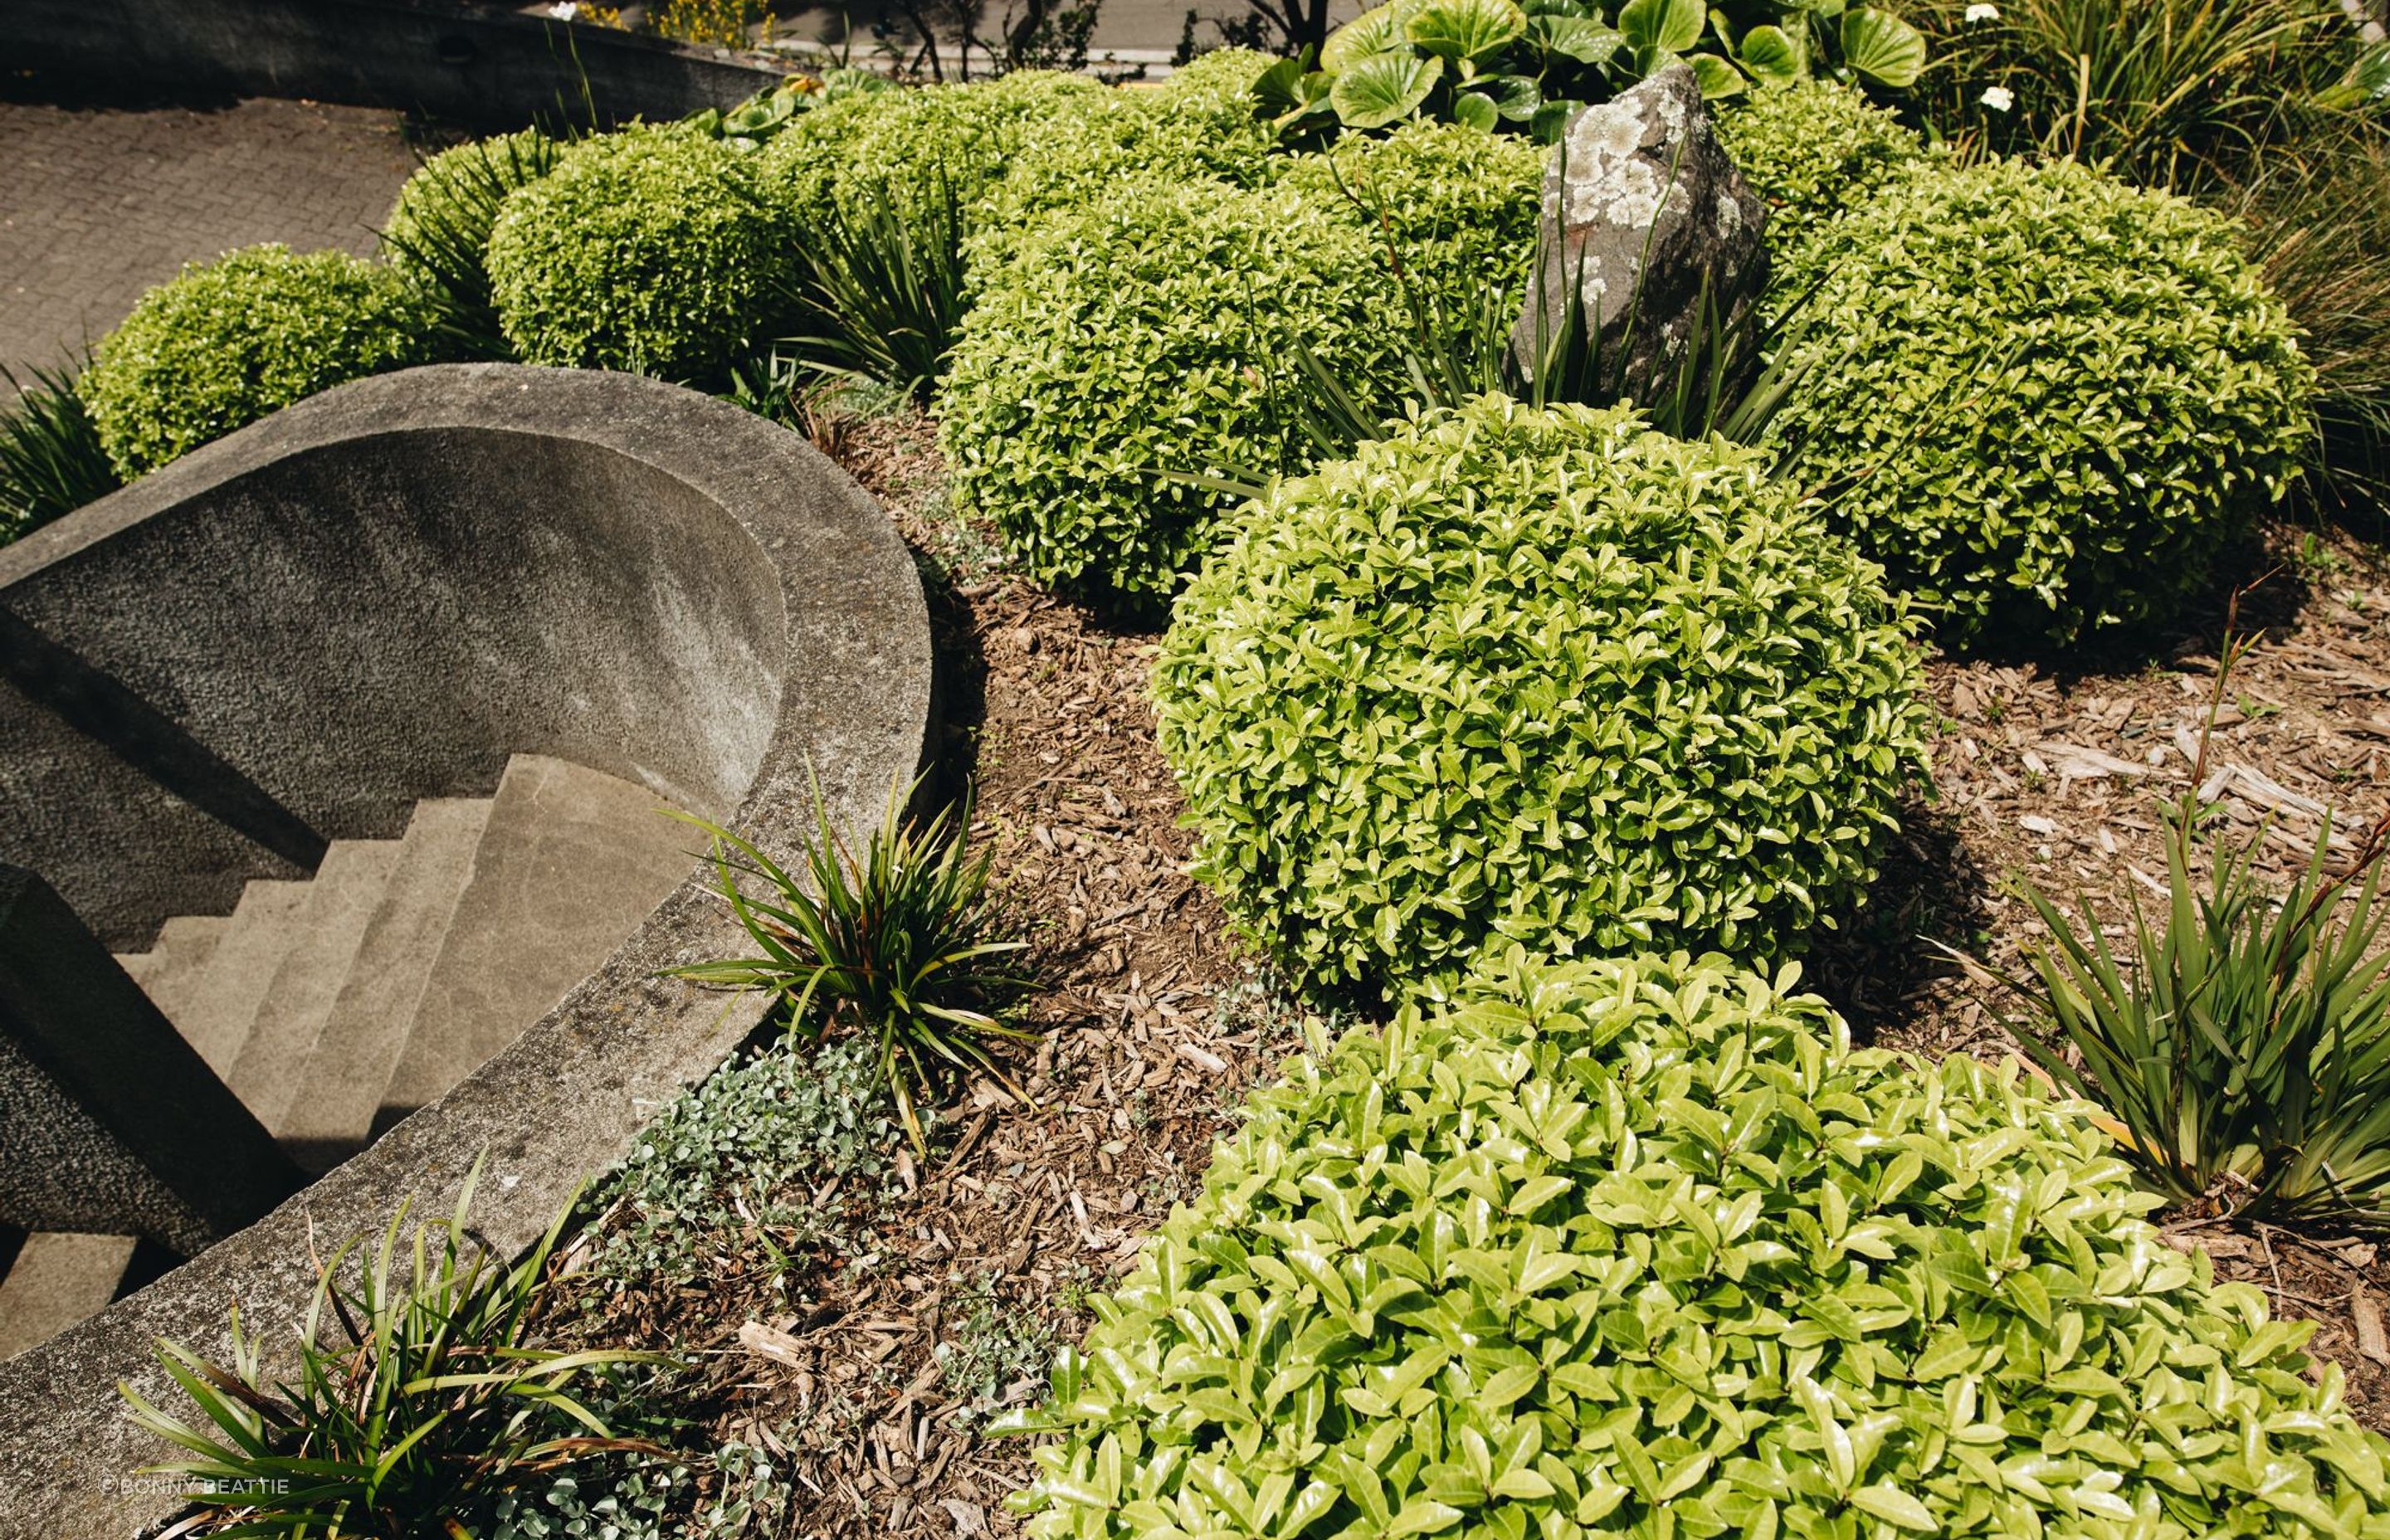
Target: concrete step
(325,933)
(570,862)
(365,1031)
(172,970)
(57,1280)
(224,1000)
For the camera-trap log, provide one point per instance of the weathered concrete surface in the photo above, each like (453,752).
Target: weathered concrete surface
(1642,211)
(109,1123)
(373,598)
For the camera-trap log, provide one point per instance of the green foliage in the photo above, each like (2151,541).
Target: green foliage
(423,1394)
(1811,151)
(438,232)
(2166,93)
(2243,1040)
(914,139)
(2320,225)
(884,288)
(894,943)
(230,340)
(51,459)
(654,250)
(743,1155)
(2043,399)
(1545,676)
(998,1346)
(1199,125)
(1453,210)
(1147,335)
(1496,64)
(1643,1247)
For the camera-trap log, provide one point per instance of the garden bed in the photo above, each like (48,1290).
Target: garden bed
(868,1377)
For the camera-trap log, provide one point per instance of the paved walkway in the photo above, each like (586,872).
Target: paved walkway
(98,206)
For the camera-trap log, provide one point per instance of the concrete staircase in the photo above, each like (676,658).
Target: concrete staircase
(334,1006)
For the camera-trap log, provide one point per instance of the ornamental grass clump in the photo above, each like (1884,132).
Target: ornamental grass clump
(654,251)
(1148,339)
(1644,1246)
(2043,399)
(230,340)
(1537,676)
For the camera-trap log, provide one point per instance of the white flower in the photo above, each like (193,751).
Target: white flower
(565,10)
(1980,11)
(2000,98)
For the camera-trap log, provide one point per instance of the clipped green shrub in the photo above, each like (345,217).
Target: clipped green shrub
(1645,1248)
(438,232)
(227,341)
(2042,399)
(1455,206)
(1543,677)
(912,138)
(1812,150)
(1199,125)
(654,250)
(1145,336)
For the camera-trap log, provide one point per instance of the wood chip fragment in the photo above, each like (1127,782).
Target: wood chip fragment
(2371,1339)
(765,1341)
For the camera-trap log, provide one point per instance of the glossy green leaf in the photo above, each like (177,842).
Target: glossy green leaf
(1383,89)
(1465,32)
(1882,47)
(1672,26)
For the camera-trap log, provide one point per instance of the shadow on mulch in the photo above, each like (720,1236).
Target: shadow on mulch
(1880,968)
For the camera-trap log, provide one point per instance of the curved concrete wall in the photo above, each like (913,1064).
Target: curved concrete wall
(375,596)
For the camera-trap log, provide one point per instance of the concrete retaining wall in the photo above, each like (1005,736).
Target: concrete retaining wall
(375,597)
(482,65)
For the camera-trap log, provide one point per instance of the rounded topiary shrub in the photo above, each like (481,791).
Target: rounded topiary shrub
(1457,206)
(1147,337)
(1812,150)
(653,249)
(1646,1247)
(2042,399)
(1548,676)
(908,139)
(230,340)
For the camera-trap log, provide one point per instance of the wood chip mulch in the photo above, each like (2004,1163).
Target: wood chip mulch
(1148,1008)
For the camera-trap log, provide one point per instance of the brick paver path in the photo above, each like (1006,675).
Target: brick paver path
(98,206)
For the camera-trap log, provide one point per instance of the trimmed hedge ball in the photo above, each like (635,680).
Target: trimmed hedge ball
(1549,677)
(1138,338)
(1459,206)
(1812,150)
(906,138)
(1646,1247)
(228,341)
(653,251)
(2043,399)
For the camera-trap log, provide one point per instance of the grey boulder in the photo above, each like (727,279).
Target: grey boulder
(1642,209)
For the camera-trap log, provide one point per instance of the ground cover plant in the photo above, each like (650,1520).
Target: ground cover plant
(230,340)
(655,249)
(1537,676)
(2043,399)
(1646,1246)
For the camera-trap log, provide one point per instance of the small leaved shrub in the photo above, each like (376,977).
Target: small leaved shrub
(230,340)
(654,251)
(1812,150)
(871,144)
(438,232)
(1548,676)
(1457,208)
(1146,335)
(1644,1246)
(2042,399)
